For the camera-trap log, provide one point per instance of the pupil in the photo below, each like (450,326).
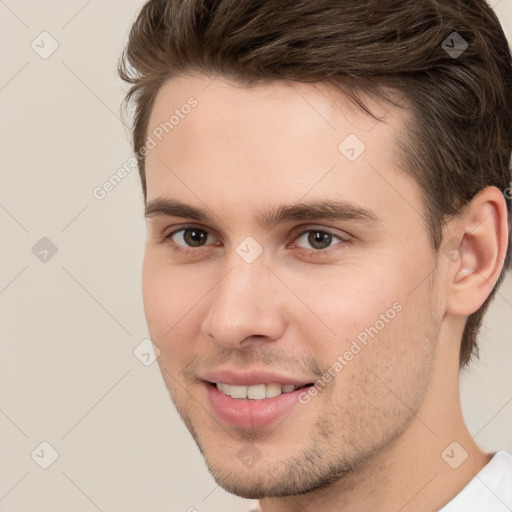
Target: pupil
(194,237)
(319,239)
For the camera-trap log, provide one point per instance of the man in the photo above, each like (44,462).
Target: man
(328,207)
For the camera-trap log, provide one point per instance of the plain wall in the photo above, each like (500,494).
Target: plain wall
(68,375)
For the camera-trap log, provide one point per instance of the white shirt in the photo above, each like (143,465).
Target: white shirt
(489,491)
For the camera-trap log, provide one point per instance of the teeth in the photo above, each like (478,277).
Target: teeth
(273,390)
(238,391)
(257,392)
(224,388)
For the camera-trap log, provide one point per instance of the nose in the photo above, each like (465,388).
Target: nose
(246,307)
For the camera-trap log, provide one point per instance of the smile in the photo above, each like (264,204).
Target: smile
(256,392)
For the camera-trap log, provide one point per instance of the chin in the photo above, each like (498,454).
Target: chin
(303,473)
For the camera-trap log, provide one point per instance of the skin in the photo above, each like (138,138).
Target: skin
(372,438)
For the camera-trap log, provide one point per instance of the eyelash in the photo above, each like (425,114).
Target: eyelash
(167,240)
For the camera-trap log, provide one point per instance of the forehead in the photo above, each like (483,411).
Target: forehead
(277,142)
(277,103)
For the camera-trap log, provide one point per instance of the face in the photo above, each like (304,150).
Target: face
(287,281)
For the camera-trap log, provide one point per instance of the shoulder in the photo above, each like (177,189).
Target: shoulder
(489,490)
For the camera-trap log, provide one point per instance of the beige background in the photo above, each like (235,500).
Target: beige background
(68,375)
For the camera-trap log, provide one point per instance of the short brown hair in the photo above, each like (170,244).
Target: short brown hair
(460,140)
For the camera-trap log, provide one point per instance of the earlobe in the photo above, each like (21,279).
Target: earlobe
(483,234)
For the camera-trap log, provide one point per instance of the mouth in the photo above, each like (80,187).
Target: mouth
(257,391)
(253,400)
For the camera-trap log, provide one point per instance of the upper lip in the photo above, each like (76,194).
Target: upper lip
(252,378)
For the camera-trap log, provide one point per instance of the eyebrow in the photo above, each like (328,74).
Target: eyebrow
(320,209)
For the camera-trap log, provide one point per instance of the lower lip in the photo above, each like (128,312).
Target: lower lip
(248,413)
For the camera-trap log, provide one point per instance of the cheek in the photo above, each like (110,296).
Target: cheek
(378,316)
(168,295)
(395,350)
(338,304)
(174,305)
(379,296)
(382,382)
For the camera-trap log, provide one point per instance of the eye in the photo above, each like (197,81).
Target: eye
(318,239)
(189,237)
(310,242)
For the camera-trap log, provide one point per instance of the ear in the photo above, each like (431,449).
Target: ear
(476,251)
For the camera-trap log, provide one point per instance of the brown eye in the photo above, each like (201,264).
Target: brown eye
(319,239)
(189,237)
(195,237)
